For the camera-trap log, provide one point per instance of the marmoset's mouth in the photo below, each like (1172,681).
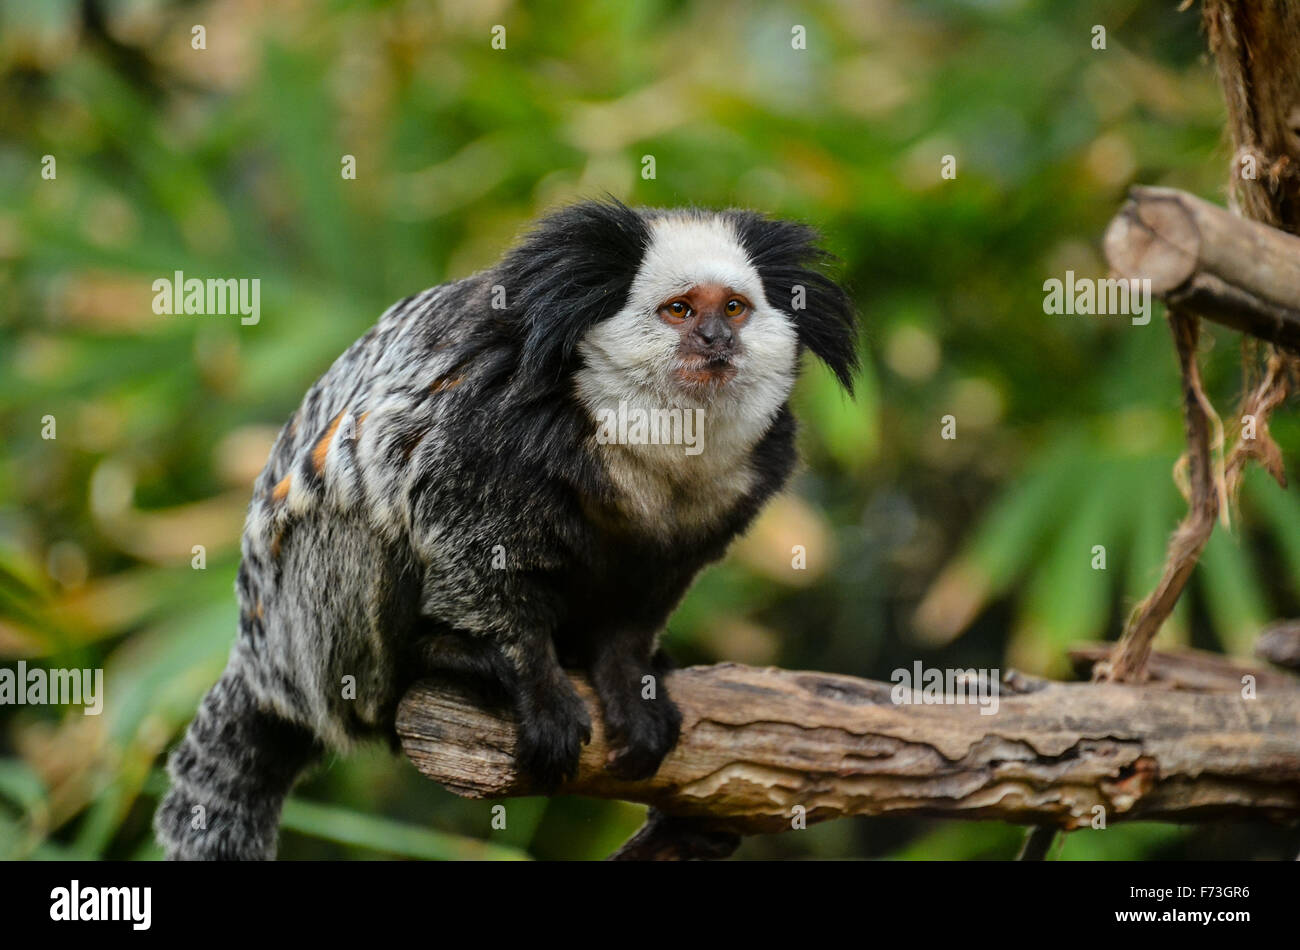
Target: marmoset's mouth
(706,372)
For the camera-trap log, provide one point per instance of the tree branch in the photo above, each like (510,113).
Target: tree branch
(1204,259)
(759,744)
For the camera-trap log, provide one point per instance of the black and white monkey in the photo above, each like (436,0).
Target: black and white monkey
(441,500)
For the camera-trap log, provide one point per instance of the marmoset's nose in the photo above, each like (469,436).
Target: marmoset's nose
(714,329)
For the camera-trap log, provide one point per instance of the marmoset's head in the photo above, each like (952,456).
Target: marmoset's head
(677,308)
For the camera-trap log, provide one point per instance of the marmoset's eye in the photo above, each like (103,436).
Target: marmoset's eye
(735,307)
(678,308)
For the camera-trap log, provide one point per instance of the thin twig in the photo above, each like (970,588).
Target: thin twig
(1128,663)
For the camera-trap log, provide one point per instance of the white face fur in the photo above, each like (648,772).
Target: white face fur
(632,358)
(633,355)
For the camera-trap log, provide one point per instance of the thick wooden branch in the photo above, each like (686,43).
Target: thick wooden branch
(1204,258)
(758,744)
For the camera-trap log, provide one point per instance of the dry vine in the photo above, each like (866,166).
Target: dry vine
(1261,111)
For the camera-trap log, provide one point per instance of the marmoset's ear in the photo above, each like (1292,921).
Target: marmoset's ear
(791,263)
(572,270)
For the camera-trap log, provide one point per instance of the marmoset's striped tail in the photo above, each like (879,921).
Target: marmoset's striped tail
(230,775)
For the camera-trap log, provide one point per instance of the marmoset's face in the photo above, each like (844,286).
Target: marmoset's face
(697,329)
(708,319)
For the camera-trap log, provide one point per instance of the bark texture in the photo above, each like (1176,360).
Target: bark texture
(762,747)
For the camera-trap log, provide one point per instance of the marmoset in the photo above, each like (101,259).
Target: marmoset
(446,498)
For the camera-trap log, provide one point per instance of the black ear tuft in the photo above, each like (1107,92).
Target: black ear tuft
(788,257)
(571,271)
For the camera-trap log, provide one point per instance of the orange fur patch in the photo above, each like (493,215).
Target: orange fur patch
(444,383)
(323,446)
(281,490)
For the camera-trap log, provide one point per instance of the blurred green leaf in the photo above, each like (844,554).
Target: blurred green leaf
(381,834)
(1233,597)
